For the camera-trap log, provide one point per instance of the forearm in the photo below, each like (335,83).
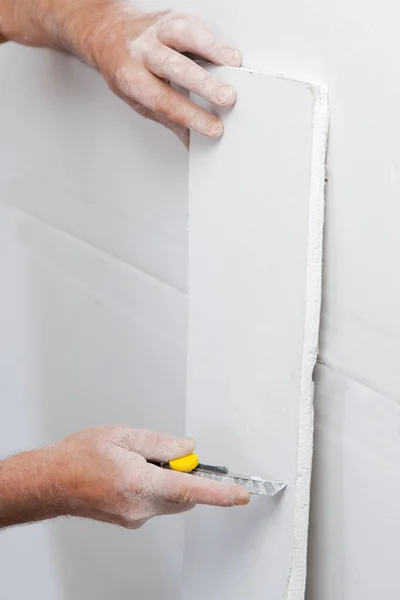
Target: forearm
(68,25)
(29,488)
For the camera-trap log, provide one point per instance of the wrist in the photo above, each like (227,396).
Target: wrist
(90,30)
(82,27)
(29,488)
(74,25)
(70,25)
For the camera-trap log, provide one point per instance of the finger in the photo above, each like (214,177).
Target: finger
(152,445)
(187,33)
(165,507)
(175,67)
(189,489)
(179,130)
(162,99)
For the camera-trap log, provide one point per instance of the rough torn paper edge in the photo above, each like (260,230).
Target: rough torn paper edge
(298,568)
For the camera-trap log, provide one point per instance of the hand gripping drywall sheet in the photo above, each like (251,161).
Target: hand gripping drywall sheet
(256,205)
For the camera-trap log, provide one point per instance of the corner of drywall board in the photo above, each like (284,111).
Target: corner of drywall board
(298,568)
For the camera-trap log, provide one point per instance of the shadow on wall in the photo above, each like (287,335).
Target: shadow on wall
(98,364)
(106,344)
(89,338)
(327,483)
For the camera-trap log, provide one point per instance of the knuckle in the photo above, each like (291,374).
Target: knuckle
(123,80)
(164,15)
(132,524)
(207,42)
(205,83)
(199,32)
(144,436)
(194,23)
(137,524)
(144,432)
(157,438)
(135,517)
(118,489)
(185,495)
(172,16)
(198,122)
(129,80)
(146,439)
(170,62)
(165,103)
(177,23)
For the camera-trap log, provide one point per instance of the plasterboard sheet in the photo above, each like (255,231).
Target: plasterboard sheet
(255,246)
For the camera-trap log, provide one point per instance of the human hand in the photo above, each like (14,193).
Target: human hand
(140,56)
(104,475)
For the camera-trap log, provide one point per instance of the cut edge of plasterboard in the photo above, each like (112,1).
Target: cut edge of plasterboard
(298,568)
(313,85)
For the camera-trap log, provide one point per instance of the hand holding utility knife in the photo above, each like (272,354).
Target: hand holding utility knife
(255,485)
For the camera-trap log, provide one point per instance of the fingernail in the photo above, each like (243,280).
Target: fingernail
(232,57)
(226,94)
(241,499)
(215,129)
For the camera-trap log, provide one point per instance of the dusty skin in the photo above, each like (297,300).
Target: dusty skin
(102,473)
(139,54)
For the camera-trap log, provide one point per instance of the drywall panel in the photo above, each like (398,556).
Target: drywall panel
(85,339)
(355,517)
(255,243)
(352,47)
(75,156)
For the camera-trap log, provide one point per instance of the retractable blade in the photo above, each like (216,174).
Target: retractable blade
(255,485)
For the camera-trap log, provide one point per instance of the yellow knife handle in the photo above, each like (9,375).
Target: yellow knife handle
(185,464)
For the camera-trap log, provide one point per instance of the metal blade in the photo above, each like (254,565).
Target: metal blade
(255,485)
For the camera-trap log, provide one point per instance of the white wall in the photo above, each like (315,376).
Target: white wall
(69,162)
(92,309)
(354,48)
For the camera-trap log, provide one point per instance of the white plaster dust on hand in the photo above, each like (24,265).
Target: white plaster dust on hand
(104,475)
(142,55)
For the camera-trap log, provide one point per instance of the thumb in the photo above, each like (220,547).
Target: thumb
(152,445)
